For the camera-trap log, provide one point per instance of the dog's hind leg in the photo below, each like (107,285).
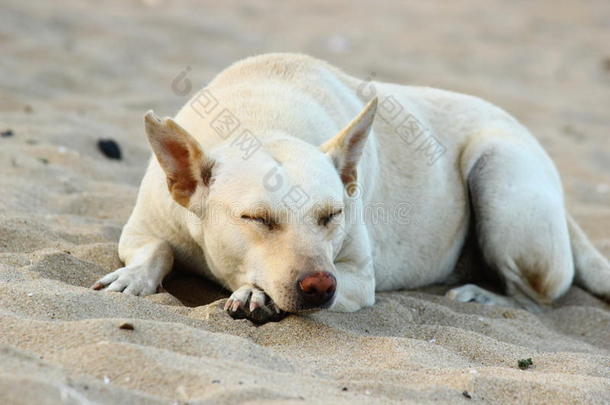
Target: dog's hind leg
(520,218)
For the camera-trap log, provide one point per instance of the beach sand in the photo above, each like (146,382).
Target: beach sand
(72,72)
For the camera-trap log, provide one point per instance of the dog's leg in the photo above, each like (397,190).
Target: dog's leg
(355,273)
(147,262)
(355,288)
(520,220)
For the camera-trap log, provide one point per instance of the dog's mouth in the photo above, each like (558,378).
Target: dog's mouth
(307,311)
(301,307)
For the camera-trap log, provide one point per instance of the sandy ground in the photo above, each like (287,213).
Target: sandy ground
(71,73)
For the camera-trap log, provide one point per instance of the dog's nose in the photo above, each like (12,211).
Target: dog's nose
(317,289)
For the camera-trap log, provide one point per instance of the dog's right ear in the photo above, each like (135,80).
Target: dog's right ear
(186,166)
(345,148)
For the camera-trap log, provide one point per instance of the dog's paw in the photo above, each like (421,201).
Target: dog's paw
(252,303)
(474,293)
(129,280)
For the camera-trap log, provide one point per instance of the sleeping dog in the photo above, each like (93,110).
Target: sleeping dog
(298,187)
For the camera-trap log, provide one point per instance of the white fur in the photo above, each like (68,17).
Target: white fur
(419,184)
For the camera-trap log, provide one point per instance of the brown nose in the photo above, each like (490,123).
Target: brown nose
(317,289)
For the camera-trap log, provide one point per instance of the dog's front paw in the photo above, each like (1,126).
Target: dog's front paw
(130,280)
(252,303)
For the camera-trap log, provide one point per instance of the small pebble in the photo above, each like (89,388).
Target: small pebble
(466,394)
(432,340)
(344,389)
(126,326)
(525,363)
(7,133)
(215,381)
(109,148)
(30,294)
(106,379)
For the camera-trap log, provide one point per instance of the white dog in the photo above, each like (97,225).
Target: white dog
(266,183)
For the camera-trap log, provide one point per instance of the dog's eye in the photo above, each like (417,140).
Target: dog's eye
(268,222)
(325,220)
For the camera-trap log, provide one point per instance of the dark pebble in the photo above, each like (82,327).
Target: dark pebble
(7,133)
(344,389)
(126,326)
(109,148)
(215,381)
(466,394)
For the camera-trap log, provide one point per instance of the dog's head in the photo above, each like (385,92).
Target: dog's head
(276,219)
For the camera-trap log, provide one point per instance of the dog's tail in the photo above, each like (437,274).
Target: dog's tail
(592,268)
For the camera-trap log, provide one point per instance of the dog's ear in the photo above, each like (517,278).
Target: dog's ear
(185,164)
(346,147)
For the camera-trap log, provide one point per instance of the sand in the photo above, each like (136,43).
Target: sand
(72,73)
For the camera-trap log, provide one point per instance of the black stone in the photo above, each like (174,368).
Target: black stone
(109,148)
(126,326)
(7,133)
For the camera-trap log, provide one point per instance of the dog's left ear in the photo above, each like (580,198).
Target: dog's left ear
(186,166)
(346,147)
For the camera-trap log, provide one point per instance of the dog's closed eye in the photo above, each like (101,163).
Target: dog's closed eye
(267,221)
(325,219)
